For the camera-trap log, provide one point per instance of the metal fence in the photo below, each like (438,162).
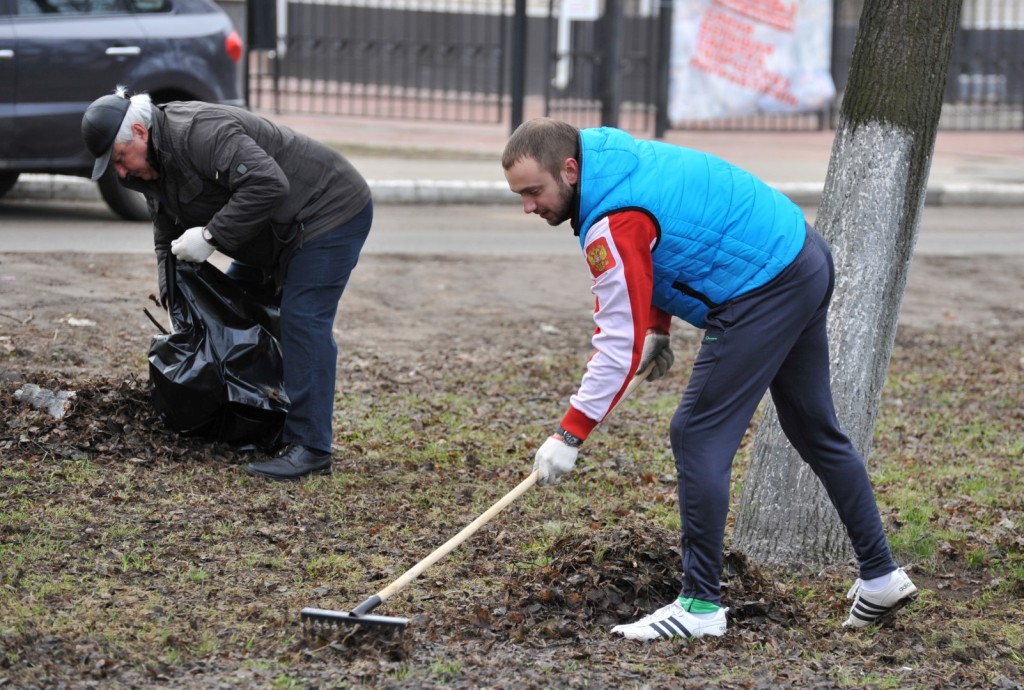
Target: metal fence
(452,60)
(430,59)
(589,84)
(985,85)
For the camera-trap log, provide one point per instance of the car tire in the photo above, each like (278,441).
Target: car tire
(7,181)
(126,203)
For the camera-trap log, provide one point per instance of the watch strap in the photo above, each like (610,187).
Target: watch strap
(208,236)
(570,439)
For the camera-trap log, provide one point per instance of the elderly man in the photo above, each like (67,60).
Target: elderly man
(291,212)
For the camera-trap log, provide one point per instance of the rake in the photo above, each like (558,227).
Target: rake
(360,615)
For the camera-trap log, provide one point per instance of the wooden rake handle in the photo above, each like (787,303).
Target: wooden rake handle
(470,529)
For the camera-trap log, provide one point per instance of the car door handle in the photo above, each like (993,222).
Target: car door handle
(6,54)
(124,50)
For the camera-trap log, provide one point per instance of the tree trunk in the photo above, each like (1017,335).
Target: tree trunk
(870,214)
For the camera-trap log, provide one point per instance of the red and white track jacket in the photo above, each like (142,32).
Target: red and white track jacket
(618,250)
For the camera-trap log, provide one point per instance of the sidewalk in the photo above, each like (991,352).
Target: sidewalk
(423,162)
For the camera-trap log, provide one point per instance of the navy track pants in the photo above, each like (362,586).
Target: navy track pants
(773,338)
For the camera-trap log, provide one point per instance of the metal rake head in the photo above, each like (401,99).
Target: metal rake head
(317,619)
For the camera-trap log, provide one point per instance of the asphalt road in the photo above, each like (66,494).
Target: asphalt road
(89,227)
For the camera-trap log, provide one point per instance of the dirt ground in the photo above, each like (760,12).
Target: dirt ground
(77,319)
(83,313)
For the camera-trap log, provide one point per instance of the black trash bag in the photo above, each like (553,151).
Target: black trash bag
(219,373)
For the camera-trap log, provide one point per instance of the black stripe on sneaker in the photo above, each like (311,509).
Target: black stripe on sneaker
(871,609)
(674,628)
(662,630)
(870,612)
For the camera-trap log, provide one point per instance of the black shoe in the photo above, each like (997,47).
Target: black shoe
(293,462)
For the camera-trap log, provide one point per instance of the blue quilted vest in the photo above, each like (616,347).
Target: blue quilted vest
(722,231)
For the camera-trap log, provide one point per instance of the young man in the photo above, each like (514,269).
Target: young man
(669,231)
(291,212)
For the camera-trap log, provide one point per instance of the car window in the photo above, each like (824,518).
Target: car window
(150,5)
(29,8)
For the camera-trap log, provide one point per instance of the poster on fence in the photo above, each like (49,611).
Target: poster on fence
(732,58)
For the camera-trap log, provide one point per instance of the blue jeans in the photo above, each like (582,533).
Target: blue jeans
(318,272)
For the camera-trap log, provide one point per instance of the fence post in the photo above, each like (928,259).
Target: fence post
(261,25)
(664,57)
(518,81)
(611,56)
(260,34)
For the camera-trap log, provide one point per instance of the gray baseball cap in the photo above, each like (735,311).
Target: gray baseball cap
(100,124)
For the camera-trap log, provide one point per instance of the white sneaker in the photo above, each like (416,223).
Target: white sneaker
(871,607)
(673,621)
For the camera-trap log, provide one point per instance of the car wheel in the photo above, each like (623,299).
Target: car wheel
(127,203)
(7,180)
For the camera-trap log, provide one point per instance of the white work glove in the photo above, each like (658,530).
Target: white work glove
(554,459)
(657,350)
(192,247)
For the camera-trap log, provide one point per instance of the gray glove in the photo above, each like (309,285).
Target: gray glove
(656,350)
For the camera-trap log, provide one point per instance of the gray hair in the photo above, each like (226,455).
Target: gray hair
(139,112)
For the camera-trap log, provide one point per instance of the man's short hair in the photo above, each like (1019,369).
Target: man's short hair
(547,141)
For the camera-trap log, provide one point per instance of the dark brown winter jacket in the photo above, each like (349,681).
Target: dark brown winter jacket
(260,188)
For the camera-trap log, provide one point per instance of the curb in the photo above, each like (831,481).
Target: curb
(438,192)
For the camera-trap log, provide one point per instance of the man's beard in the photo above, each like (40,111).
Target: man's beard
(566,194)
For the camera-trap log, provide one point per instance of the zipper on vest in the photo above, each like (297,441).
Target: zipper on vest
(690,292)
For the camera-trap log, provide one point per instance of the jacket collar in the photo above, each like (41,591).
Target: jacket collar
(157,151)
(574,219)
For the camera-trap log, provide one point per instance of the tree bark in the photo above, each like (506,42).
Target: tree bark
(870,213)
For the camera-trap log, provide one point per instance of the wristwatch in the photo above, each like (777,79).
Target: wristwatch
(571,440)
(208,236)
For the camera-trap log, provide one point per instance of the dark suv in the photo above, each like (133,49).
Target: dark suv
(57,56)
